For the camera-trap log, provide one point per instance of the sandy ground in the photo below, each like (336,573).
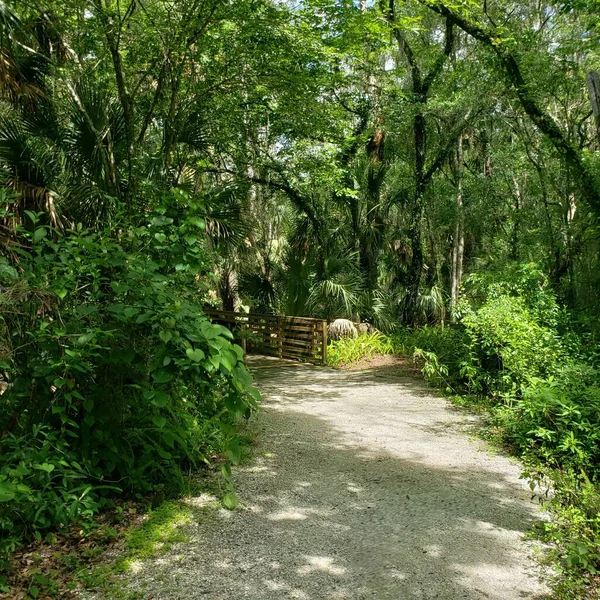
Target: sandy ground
(365,485)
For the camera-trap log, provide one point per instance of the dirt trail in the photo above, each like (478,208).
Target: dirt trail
(364,486)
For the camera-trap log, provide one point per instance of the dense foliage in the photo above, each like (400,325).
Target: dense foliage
(352,349)
(429,167)
(118,380)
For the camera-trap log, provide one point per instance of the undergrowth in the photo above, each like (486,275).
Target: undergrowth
(115,383)
(352,349)
(162,528)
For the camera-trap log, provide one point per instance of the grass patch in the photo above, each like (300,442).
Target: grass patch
(162,528)
(350,350)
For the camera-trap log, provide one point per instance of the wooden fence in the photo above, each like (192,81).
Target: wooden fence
(298,338)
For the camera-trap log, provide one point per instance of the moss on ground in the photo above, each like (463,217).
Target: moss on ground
(162,528)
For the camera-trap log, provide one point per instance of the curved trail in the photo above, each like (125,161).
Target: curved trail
(365,486)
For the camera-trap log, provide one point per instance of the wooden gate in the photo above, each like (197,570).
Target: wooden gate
(298,338)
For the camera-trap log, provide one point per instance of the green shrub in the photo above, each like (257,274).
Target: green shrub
(508,346)
(575,528)
(444,350)
(117,379)
(349,350)
(42,483)
(557,421)
(517,280)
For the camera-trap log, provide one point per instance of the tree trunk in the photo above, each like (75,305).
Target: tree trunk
(593,84)
(458,246)
(413,279)
(518,205)
(421,85)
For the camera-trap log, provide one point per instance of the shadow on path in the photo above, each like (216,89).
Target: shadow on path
(362,489)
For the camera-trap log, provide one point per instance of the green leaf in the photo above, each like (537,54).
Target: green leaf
(160,221)
(44,467)
(163,453)
(34,591)
(39,234)
(195,354)
(131,311)
(223,331)
(144,317)
(226,471)
(159,421)
(34,218)
(161,237)
(165,336)
(197,222)
(160,399)
(85,339)
(7,491)
(234,452)
(209,330)
(119,288)
(116,308)
(255,394)
(226,362)
(162,377)
(230,500)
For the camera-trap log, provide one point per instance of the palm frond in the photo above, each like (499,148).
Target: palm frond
(226,221)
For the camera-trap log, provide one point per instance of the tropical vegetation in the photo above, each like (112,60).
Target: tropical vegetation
(431,168)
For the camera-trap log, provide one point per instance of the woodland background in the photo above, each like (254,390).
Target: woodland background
(431,168)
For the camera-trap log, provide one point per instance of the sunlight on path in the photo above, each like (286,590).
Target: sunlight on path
(364,486)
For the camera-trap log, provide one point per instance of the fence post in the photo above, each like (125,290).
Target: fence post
(244,339)
(324,342)
(279,338)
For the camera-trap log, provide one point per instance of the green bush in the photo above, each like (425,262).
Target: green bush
(349,350)
(508,345)
(557,420)
(117,379)
(449,344)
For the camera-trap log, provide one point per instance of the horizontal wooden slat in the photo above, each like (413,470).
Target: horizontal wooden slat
(290,354)
(299,344)
(296,328)
(241,316)
(298,349)
(299,338)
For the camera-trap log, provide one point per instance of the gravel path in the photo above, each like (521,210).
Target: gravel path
(365,486)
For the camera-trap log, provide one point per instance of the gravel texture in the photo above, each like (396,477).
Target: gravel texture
(365,485)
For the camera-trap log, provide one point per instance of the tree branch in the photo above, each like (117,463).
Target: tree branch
(447,148)
(543,121)
(442,58)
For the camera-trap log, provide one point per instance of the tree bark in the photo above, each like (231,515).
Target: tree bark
(593,84)
(458,246)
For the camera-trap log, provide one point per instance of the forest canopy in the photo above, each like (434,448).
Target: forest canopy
(405,164)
